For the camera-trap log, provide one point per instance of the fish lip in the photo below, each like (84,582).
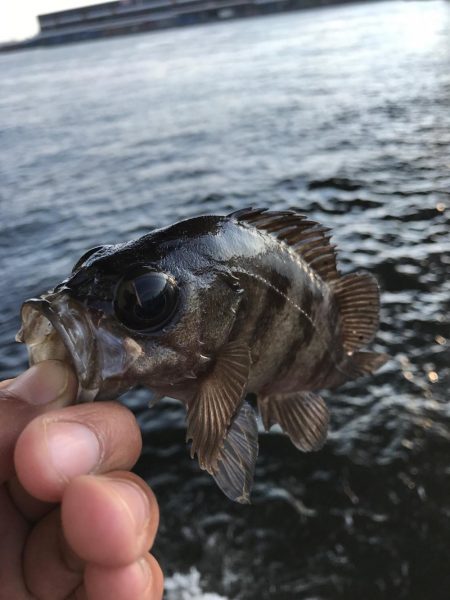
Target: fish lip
(62,316)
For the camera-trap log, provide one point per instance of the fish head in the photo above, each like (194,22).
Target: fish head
(131,314)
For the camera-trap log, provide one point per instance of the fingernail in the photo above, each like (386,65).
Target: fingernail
(135,500)
(51,381)
(73,448)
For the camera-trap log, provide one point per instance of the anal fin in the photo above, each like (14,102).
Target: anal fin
(236,464)
(303,416)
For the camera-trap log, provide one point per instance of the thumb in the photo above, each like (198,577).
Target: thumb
(45,386)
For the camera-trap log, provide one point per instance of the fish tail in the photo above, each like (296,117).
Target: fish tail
(356,365)
(358,299)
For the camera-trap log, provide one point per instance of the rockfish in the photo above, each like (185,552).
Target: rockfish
(206,311)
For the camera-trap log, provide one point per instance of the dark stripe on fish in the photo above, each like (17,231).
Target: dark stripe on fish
(322,365)
(302,333)
(275,300)
(326,364)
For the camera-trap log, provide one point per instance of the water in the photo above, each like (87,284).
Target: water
(343,112)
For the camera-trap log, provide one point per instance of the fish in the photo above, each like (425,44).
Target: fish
(213,311)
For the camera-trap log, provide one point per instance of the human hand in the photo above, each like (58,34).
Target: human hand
(74,522)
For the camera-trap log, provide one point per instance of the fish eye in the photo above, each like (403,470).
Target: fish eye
(84,258)
(146,300)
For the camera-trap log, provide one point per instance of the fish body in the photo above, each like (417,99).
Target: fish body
(206,311)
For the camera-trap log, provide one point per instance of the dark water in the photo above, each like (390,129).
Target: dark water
(343,112)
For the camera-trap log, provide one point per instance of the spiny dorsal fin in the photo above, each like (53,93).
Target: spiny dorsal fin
(358,298)
(303,416)
(236,465)
(212,409)
(309,239)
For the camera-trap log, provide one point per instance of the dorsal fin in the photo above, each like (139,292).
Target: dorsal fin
(309,239)
(358,297)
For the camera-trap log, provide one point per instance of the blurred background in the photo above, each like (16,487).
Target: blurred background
(342,111)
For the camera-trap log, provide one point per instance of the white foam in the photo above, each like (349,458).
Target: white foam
(186,586)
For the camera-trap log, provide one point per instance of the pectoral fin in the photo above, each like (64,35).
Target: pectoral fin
(236,465)
(211,411)
(303,416)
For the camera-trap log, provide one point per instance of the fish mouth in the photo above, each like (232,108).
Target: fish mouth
(54,328)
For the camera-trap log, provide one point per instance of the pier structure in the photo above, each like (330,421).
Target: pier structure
(121,17)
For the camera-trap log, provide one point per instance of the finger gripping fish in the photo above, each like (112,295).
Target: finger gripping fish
(208,310)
